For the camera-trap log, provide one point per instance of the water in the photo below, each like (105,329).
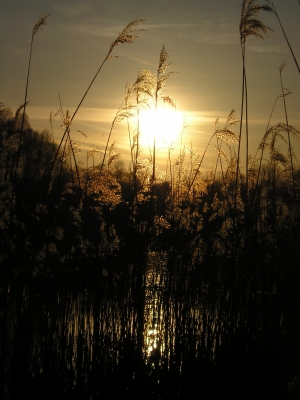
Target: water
(170,337)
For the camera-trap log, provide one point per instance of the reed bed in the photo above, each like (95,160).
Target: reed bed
(142,283)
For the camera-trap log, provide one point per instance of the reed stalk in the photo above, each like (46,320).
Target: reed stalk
(250,25)
(283,94)
(273,9)
(38,25)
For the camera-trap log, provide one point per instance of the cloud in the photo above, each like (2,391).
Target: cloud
(97,31)
(73,10)
(93,114)
(206,116)
(268,49)
(99,28)
(217,32)
(226,38)
(169,26)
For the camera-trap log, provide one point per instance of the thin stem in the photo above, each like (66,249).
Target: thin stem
(22,125)
(288,129)
(240,139)
(277,16)
(109,135)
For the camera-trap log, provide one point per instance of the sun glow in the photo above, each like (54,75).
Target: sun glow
(163,125)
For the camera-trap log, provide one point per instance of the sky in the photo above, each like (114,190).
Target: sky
(202,38)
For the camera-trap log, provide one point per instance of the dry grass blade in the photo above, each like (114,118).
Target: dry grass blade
(82,133)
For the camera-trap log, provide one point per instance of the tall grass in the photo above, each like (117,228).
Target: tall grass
(178,283)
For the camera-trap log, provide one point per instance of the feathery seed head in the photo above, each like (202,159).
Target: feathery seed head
(163,58)
(226,134)
(40,22)
(250,24)
(67,120)
(231,119)
(128,35)
(162,67)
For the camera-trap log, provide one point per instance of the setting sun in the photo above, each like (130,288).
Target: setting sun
(165,125)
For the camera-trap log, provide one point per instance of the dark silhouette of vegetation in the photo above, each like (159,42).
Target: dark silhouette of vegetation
(73,295)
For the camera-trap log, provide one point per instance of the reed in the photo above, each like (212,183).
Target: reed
(250,25)
(38,25)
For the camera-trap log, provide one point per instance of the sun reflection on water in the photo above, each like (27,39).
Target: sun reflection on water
(152,341)
(154,327)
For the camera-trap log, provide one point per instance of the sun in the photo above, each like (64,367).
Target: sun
(163,124)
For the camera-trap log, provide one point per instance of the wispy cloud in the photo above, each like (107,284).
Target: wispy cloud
(217,32)
(169,26)
(97,30)
(96,114)
(40,115)
(206,116)
(72,10)
(220,38)
(268,49)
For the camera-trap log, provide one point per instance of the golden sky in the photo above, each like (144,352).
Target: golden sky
(201,36)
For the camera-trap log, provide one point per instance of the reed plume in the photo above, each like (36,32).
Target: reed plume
(128,35)
(40,23)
